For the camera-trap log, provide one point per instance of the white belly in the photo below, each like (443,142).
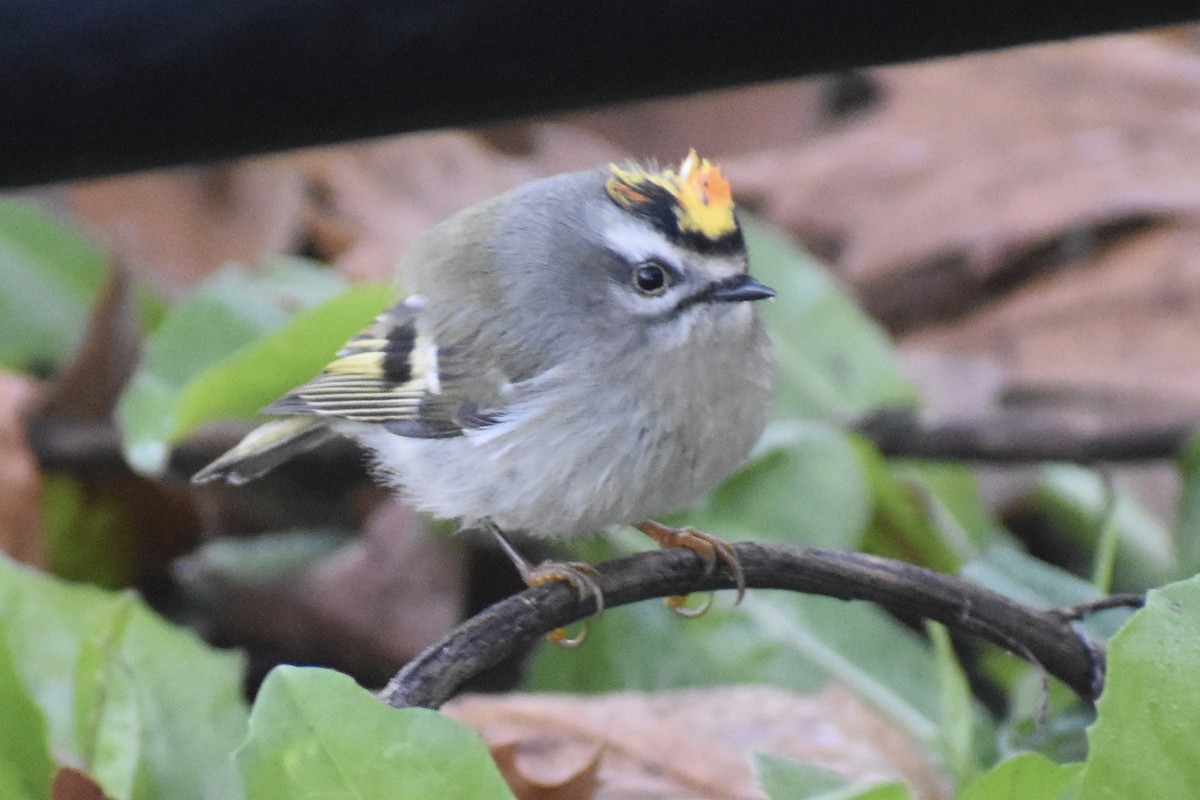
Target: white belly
(570,460)
(562,472)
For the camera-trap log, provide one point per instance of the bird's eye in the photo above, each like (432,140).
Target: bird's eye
(651,278)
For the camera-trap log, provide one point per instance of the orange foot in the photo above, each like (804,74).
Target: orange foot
(708,547)
(583,577)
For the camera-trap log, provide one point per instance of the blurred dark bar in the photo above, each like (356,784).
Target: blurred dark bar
(99,86)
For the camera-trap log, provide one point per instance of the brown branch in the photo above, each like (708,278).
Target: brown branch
(1003,437)
(507,627)
(1026,436)
(1045,638)
(82,447)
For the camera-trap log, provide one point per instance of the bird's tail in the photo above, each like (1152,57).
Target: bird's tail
(265,448)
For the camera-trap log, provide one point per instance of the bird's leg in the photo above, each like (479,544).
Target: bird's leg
(580,575)
(708,547)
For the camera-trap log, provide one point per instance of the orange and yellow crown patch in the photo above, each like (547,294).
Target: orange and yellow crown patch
(697,194)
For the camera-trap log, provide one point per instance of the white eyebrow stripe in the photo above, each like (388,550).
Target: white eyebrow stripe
(636,243)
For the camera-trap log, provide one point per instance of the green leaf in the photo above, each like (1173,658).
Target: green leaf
(116,761)
(1028,580)
(46,622)
(884,791)
(69,640)
(48,276)
(951,493)
(908,520)
(314,733)
(26,766)
(721,648)
(11,783)
(238,386)
(786,779)
(1146,739)
(858,646)
(1188,533)
(956,733)
(797,642)
(1074,499)
(90,532)
(804,483)
(1048,718)
(108,721)
(1030,776)
(834,360)
(1052,723)
(213,355)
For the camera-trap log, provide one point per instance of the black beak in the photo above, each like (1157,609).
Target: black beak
(739,288)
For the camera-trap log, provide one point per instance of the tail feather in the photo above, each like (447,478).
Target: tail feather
(265,448)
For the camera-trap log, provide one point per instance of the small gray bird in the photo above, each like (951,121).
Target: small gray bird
(578,353)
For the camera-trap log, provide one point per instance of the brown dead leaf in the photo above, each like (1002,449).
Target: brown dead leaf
(696,743)
(580,783)
(177,226)
(718,124)
(88,387)
(20,515)
(1124,322)
(366,608)
(73,784)
(394,590)
(361,205)
(971,163)
(372,200)
(123,527)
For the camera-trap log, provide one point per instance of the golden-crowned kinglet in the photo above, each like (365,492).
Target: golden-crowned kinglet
(577,353)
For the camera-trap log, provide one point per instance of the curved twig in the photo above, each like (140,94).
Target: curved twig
(1081,611)
(505,628)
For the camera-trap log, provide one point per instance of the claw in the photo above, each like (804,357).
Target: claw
(708,547)
(678,604)
(559,637)
(580,575)
(583,577)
